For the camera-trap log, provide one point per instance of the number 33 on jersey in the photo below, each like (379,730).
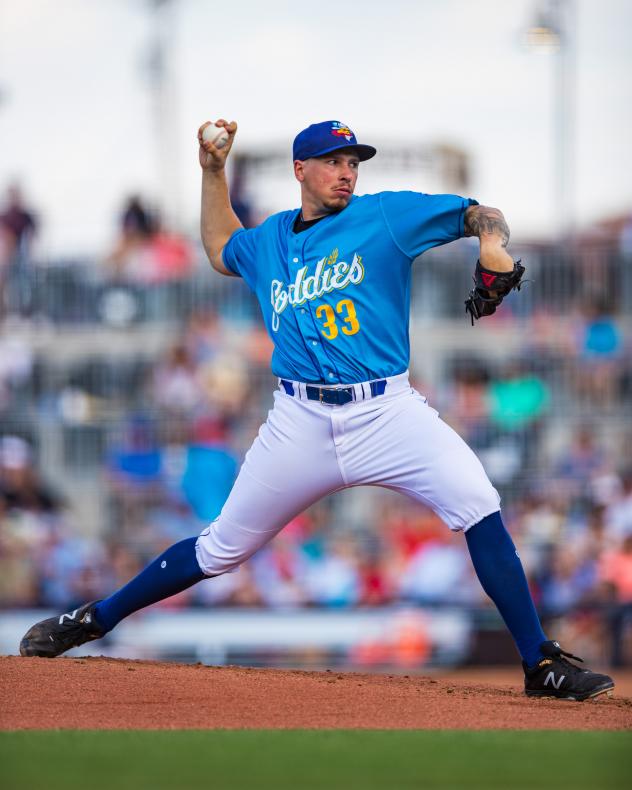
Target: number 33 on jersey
(335,296)
(330,330)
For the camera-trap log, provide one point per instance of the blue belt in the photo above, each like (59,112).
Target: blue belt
(335,396)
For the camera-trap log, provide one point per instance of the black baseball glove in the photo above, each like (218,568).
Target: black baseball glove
(490,288)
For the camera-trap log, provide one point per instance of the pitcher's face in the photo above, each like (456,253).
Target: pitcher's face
(327,182)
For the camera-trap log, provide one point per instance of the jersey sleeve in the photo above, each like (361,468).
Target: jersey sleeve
(240,254)
(417,221)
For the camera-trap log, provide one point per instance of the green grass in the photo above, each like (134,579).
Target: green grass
(309,759)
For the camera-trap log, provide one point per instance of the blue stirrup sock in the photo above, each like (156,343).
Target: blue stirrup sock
(501,575)
(174,570)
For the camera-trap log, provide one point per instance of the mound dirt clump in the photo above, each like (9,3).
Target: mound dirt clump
(104,693)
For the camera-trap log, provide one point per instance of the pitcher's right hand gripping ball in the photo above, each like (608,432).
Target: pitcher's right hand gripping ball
(213,157)
(490,288)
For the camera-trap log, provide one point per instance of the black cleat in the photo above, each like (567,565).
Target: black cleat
(52,637)
(554,676)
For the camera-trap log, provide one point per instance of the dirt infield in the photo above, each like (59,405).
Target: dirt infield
(102,693)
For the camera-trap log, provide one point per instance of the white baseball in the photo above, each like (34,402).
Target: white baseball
(216,135)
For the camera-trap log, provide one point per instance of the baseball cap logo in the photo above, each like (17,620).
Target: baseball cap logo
(325,137)
(340,130)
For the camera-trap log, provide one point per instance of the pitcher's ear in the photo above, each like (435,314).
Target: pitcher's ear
(299,170)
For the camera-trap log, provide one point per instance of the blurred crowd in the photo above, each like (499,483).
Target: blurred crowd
(171,462)
(355,550)
(165,430)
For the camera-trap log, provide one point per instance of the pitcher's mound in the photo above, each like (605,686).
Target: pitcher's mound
(103,693)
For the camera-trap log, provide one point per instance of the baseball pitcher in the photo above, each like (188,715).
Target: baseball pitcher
(333,281)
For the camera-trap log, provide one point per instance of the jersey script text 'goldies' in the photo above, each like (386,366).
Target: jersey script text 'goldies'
(329,276)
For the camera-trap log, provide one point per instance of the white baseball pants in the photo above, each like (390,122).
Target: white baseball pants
(306,450)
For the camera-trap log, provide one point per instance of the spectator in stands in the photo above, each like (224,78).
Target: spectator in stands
(204,336)
(136,229)
(468,402)
(593,541)
(70,567)
(146,251)
(580,465)
(175,386)
(567,583)
(135,473)
(208,477)
(619,512)
(616,572)
(20,485)
(599,354)
(241,204)
(376,588)
(519,399)
(333,579)
(18,579)
(224,384)
(18,226)
(438,572)
(168,257)
(16,370)
(18,220)
(279,569)
(137,221)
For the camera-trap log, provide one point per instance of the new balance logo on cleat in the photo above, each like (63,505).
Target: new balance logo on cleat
(555,676)
(550,678)
(52,637)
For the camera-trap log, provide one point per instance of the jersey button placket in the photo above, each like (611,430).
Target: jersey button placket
(303,318)
(310,327)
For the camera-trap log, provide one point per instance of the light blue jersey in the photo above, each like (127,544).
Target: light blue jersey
(335,298)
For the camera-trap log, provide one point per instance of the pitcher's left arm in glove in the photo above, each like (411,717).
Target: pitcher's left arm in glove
(496,273)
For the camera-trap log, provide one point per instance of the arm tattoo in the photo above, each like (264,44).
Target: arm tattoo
(481,220)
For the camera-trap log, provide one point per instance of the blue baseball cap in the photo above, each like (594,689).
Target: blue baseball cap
(322,138)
